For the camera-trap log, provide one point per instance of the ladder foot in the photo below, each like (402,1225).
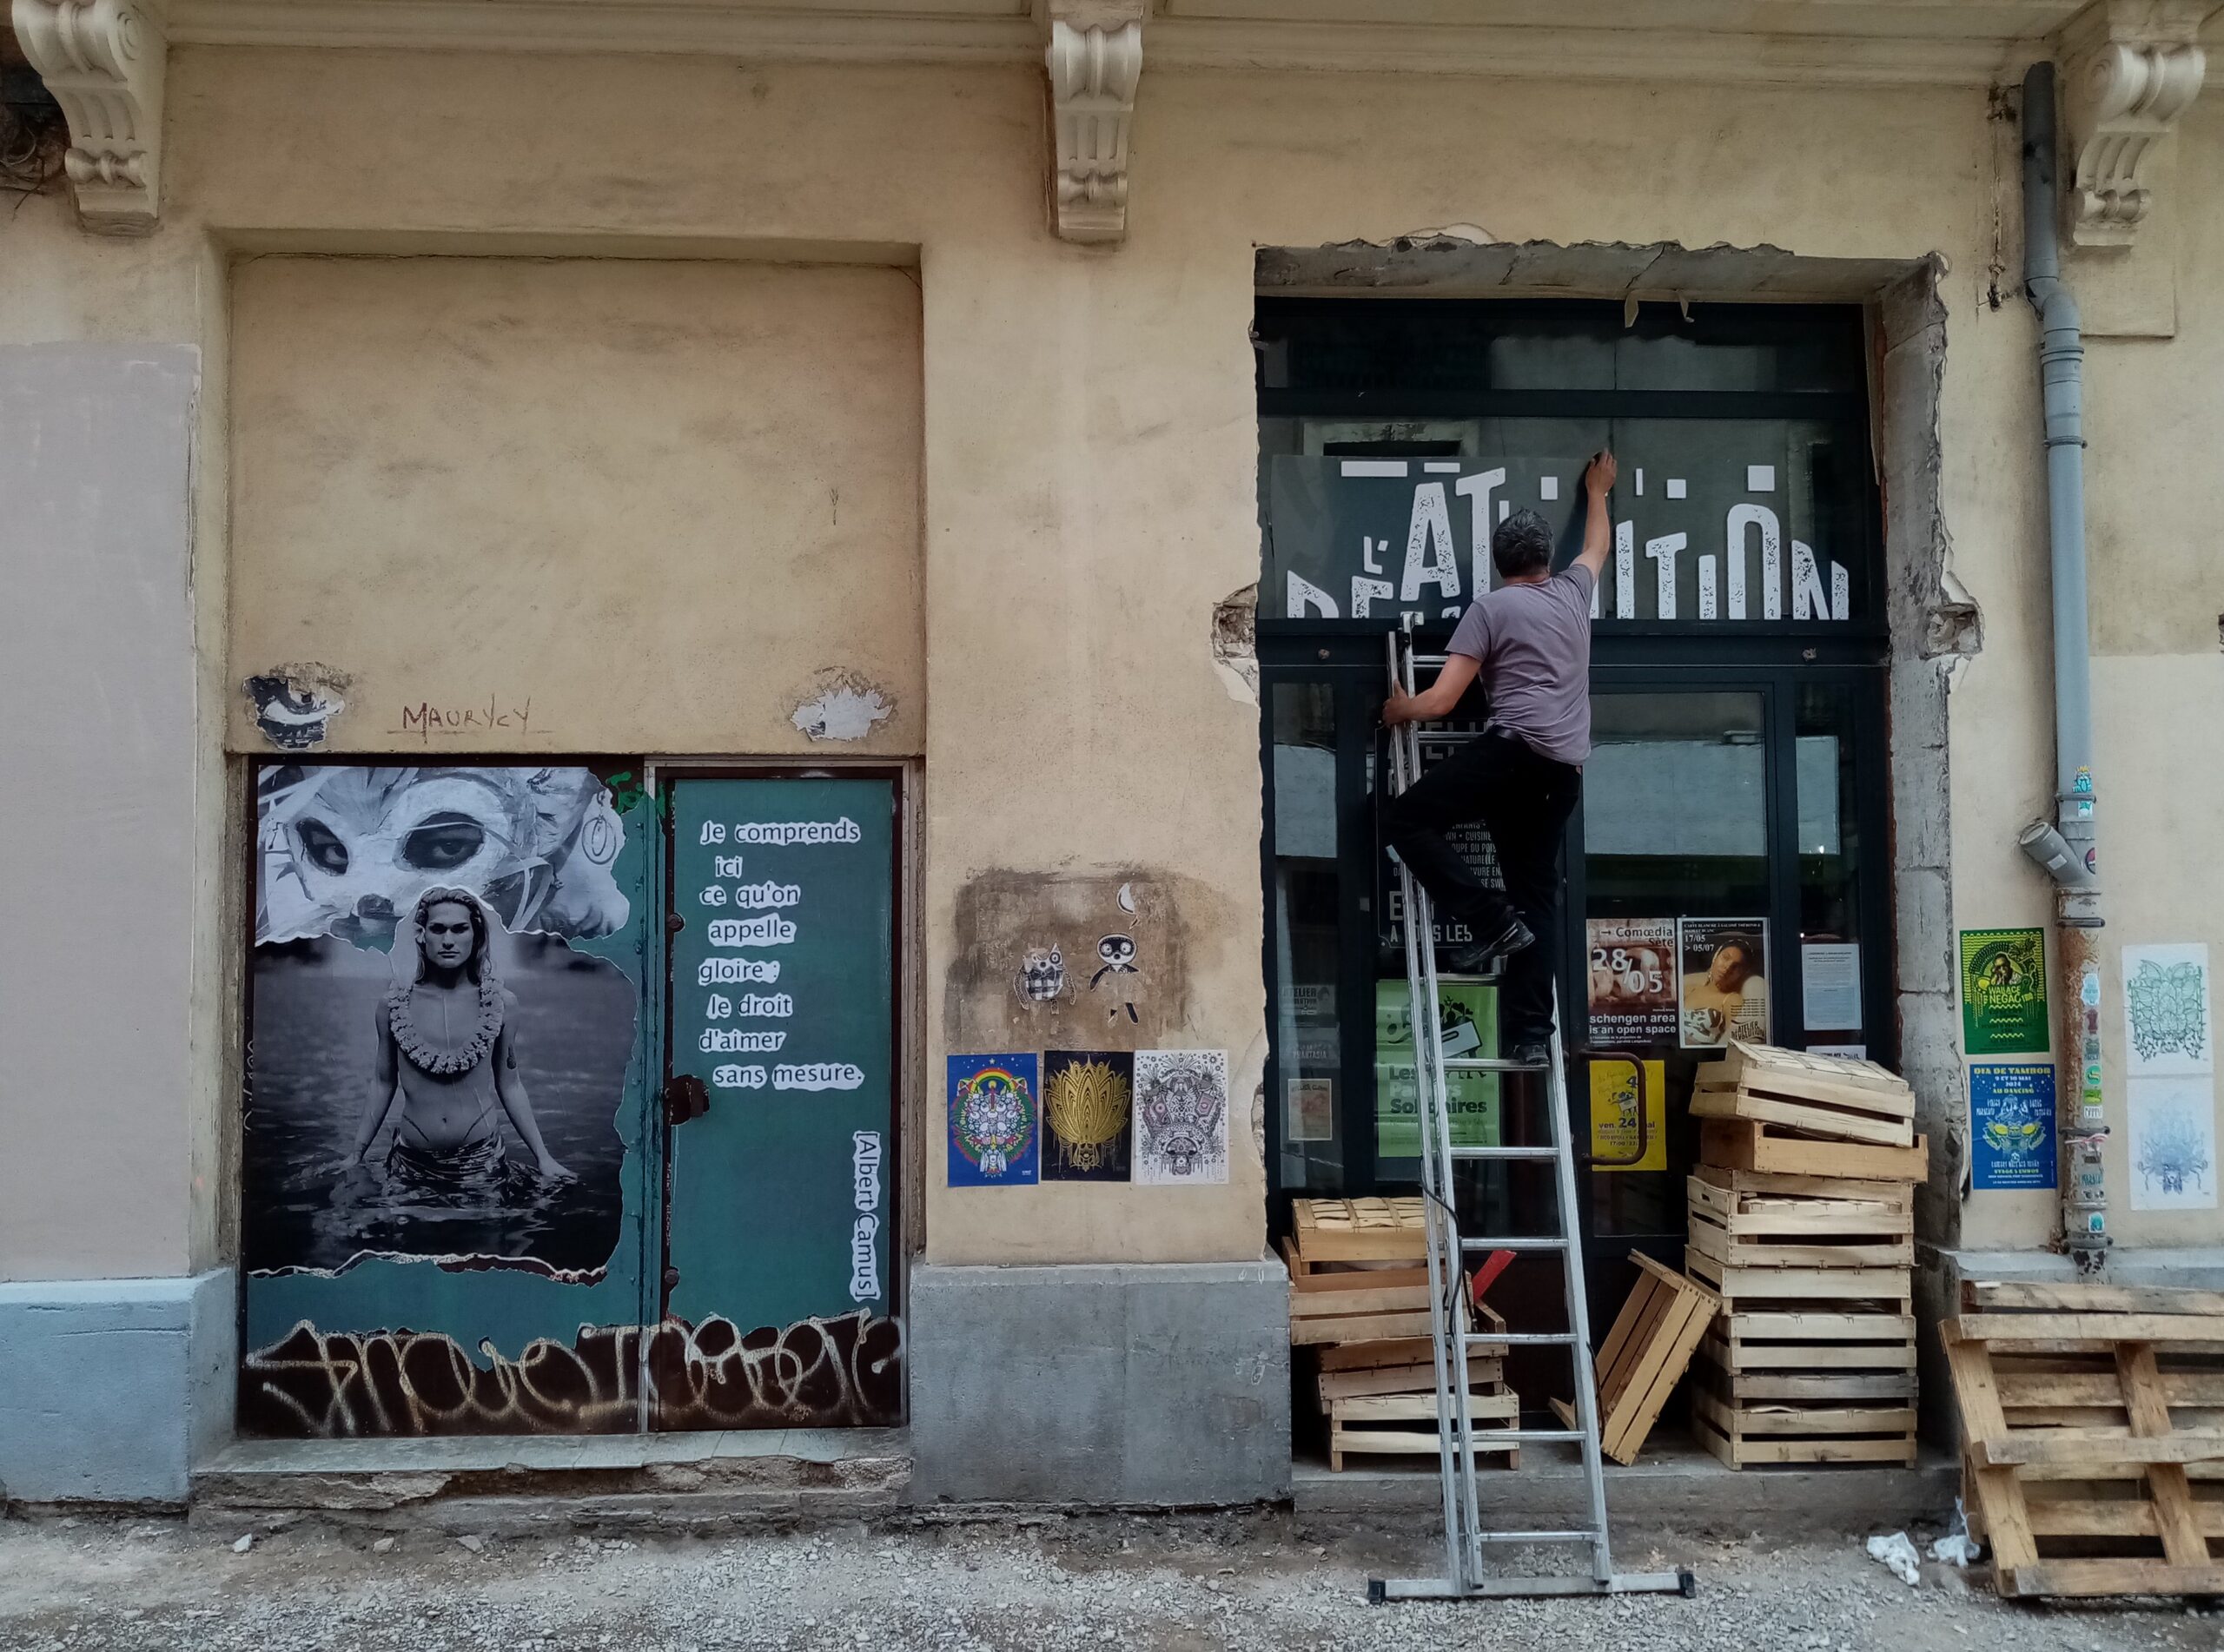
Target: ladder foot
(1376,1594)
(1686,1584)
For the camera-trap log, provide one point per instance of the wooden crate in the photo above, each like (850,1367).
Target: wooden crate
(1645,1355)
(1743,1433)
(1830,1096)
(1815,1354)
(1359,1230)
(1740,1286)
(1359,1306)
(1746,1144)
(1742,1230)
(1356,1383)
(1405,1424)
(2094,1418)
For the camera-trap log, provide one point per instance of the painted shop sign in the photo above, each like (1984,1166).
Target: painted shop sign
(1380,540)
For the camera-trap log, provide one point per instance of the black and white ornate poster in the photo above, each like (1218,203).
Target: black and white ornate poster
(1181,1117)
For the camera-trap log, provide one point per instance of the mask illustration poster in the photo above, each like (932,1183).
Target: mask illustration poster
(435,1066)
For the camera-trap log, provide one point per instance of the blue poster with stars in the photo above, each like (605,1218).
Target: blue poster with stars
(2012,1125)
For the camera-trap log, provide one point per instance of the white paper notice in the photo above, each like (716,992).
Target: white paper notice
(1831,992)
(2172,1142)
(2167,1029)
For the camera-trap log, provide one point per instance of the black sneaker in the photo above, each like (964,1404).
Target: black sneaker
(1535,1052)
(1482,957)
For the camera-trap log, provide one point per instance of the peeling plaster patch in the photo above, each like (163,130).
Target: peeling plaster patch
(293,705)
(845,708)
(1235,644)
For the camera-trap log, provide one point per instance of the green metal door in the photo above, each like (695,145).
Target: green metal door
(780,1067)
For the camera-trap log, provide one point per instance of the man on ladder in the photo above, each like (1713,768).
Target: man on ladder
(1530,641)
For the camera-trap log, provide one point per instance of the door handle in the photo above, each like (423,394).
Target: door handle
(685,1097)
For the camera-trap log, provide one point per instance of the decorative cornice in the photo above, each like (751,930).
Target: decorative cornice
(102,60)
(1096,60)
(2131,68)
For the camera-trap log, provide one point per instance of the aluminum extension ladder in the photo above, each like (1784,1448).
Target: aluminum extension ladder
(1451,1324)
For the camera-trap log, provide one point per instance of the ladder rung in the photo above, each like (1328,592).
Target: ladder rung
(1523,1339)
(1532,1242)
(1491,1063)
(1505,1153)
(1535,1537)
(1532,1436)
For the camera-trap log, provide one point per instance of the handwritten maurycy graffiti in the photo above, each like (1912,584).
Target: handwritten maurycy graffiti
(1384,540)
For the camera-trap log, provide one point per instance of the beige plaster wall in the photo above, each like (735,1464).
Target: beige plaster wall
(1089,439)
(524,505)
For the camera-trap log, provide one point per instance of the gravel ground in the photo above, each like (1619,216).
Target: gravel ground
(1168,1584)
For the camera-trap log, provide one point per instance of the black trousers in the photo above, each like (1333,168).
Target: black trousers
(1524,799)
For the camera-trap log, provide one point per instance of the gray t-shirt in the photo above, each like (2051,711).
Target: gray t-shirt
(1534,644)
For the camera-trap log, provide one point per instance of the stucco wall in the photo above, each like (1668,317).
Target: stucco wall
(615,505)
(1089,437)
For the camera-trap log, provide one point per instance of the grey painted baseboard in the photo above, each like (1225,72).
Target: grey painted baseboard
(1138,1383)
(111,1389)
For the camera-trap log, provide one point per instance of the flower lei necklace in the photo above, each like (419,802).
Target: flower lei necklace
(431,1058)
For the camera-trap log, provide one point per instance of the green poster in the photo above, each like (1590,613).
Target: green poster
(1468,1011)
(2004,991)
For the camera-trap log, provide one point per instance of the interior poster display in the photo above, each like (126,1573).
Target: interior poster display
(1724,992)
(1614,1114)
(1632,976)
(1467,1013)
(437,1059)
(1088,1106)
(995,1126)
(2166,1011)
(2172,1142)
(2012,1125)
(2004,991)
(1181,1117)
(1829,986)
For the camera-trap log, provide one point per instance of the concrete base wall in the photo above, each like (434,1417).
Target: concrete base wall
(1164,1384)
(111,1389)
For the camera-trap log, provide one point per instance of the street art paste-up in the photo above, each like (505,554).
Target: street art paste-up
(454,1098)
(2012,1125)
(2004,991)
(1724,992)
(2173,1141)
(995,1125)
(1181,1117)
(293,705)
(1088,1110)
(2166,1011)
(1042,975)
(344,850)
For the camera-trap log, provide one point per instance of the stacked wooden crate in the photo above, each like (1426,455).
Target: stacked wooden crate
(1358,1298)
(1803,1221)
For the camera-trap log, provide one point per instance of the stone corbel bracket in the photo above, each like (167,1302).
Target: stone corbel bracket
(1096,60)
(102,60)
(2131,68)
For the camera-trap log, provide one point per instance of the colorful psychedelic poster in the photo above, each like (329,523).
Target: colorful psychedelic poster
(995,1122)
(1181,1117)
(2172,1144)
(1632,980)
(1724,990)
(1088,1111)
(2012,1125)
(1614,1115)
(2167,1032)
(2004,991)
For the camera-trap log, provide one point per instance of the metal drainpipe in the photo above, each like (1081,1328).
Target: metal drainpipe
(2066,847)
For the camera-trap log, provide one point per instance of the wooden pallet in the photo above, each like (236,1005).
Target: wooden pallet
(1824,1096)
(1645,1355)
(1359,1230)
(1746,1144)
(2093,1422)
(1756,1230)
(1405,1424)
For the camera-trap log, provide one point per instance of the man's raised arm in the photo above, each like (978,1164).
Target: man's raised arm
(1597,529)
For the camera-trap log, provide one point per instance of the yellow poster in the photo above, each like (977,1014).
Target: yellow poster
(1613,1116)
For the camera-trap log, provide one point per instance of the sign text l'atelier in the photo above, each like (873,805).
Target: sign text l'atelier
(1335,550)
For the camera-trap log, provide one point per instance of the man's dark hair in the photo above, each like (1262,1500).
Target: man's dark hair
(1522,545)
